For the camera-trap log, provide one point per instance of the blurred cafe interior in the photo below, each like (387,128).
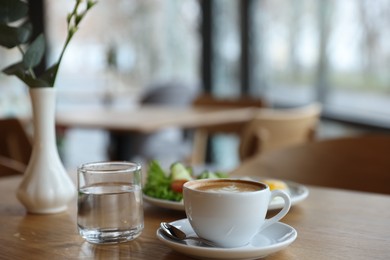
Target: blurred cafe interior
(285,54)
(296,93)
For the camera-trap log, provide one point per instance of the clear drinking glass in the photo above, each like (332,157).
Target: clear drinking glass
(110,208)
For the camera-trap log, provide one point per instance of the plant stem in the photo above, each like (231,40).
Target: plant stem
(68,37)
(20,49)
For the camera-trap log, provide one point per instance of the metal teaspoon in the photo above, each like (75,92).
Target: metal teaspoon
(175,233)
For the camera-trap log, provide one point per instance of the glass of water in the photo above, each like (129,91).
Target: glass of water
(110,206)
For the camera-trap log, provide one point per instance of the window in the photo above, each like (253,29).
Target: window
(336,52)
(227,48)
(122,46)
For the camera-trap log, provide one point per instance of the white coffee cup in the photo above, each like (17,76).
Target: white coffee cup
(230,212)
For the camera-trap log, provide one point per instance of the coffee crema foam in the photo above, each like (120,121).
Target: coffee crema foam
(227,186)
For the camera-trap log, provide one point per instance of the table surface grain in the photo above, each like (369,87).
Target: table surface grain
(331,224)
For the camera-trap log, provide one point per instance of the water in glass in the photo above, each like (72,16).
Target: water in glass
(110,212)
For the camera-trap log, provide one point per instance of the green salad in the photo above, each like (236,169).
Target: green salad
(168,185)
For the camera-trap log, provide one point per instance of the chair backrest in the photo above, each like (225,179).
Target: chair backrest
(9,166)
(273,129)
(358,163)
(237,102)
(201,136)
(15,143)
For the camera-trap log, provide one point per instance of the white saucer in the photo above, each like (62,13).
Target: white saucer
(272,239)
(298,192)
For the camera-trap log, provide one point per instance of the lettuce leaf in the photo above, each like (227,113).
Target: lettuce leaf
(158,184)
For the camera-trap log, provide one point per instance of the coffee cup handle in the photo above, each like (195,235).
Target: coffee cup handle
(282,212)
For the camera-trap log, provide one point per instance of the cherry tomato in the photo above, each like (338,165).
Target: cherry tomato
(177,185)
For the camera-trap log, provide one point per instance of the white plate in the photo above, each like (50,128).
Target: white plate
(298,192)
(272,239)
(167,204)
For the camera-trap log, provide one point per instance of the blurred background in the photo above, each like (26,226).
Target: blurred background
(288,53)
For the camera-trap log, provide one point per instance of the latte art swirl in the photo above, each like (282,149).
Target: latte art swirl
(231,189)
(227,186)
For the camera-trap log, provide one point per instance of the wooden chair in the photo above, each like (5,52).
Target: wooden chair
(273,129)
(241,101)
(238,102)
(10,167)
(202,136)
(15,143)
(358,163)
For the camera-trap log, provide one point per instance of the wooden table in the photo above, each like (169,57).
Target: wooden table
(331,224)
(148,118)
(151,118)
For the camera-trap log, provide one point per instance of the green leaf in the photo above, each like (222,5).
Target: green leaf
(50,74)
(12,10)
(9,36)
(35,83)
(158,184)
(13,36)
(24,32)
(15,12)
(19,71)
(35,52)
(90,4)
(14,68)
(31,81)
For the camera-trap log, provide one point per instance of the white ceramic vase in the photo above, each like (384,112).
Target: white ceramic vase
(46,186)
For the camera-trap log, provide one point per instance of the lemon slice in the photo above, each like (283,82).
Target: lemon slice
(275,184)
